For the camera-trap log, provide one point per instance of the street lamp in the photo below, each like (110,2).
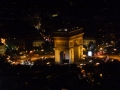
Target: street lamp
(42,49)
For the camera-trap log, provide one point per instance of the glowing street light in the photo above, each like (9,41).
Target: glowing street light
(42,49)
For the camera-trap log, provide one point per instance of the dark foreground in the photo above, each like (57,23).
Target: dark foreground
(105,76)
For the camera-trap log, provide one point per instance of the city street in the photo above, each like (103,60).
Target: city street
(110,56)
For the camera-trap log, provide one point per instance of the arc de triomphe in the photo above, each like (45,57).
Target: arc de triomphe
(68,45)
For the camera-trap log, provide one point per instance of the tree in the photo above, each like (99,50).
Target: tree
(91,45)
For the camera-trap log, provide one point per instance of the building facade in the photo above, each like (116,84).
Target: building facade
(37,43)
(89,43)
(2,49)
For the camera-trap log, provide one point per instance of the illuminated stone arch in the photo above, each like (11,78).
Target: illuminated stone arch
(69,42)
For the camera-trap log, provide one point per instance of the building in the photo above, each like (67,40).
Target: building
(88,41)
(38,43)
(2,49)
(68,45)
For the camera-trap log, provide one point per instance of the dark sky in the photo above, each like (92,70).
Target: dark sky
(92,15)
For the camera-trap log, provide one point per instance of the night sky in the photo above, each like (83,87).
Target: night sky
(92,15)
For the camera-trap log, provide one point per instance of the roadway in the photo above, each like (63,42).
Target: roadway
(110,56)
(34,58)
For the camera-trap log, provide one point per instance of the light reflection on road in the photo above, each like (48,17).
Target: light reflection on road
(110,56)
(19,61)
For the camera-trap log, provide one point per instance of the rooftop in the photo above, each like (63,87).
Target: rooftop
(68,33)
